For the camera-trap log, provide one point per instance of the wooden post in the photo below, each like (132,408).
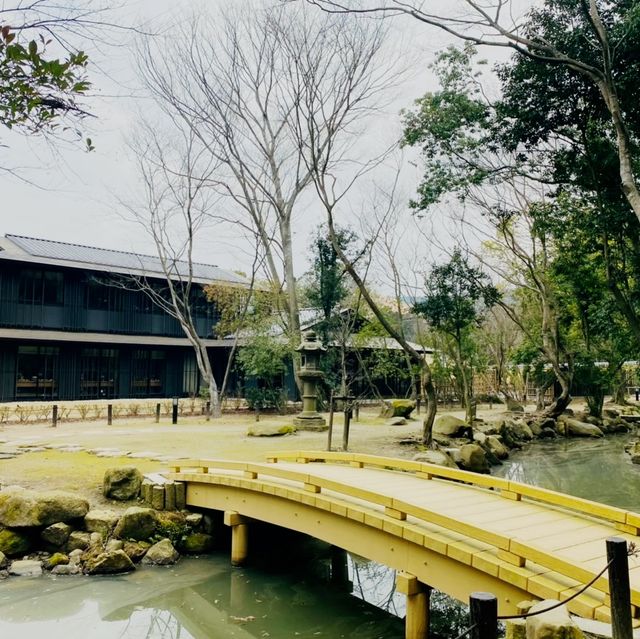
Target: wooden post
(208,411)
(347,423)
(340,568)
(109,414)
(418,595)
(330,431)
(174,411)
(356,411)
(619,588)
(239,537)
(157,413)
(54,416)
(418,403)
(483,612)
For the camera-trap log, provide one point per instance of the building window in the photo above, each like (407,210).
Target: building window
(190,376)
(99,373)
(37,372)
(41,287)
(102,296)
(148,373)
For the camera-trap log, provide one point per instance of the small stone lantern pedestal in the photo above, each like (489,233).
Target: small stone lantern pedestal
(310,350)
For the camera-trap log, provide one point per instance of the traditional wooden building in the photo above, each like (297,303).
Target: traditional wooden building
(70,327)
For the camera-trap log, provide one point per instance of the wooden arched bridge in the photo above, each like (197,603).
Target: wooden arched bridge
(440,527)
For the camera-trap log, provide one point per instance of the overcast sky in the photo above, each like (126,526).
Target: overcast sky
(72,195)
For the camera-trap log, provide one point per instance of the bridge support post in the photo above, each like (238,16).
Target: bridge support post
(418,595)
(239,537)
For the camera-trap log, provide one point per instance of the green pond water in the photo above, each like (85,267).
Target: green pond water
(205,598)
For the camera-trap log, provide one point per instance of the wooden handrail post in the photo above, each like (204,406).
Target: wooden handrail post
(54,416)
(157,413)
(483,613)
(109,414)
(330,431)
(619,588)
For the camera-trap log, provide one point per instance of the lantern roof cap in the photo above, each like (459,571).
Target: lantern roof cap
(310,343)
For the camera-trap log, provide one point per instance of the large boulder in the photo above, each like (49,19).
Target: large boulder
(56,534)
(161,554)
(4,562)
(437,457)
(494,444)
(270,430)
(554,624)
(108,563)
(101,521)
(581,429)
(136,523)
(24,508)
(515,432)
(451,426)
(122,483)
(14,542)
(473,458)
(398,408)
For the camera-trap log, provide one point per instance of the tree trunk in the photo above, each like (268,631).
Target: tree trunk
(563,400)
(430,409)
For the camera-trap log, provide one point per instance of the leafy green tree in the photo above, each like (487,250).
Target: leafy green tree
(36,89)
(457,296)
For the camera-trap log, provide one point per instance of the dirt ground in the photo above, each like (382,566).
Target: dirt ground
(64,457)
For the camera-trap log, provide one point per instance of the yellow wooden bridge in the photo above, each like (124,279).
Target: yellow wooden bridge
(439,527)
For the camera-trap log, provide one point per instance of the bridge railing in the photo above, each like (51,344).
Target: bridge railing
(624,520)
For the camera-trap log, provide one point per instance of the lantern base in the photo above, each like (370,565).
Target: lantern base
(314,423)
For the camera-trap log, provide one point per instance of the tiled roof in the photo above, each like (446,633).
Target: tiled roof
(119,261)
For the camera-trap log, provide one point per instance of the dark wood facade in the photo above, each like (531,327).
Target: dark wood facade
(76,333)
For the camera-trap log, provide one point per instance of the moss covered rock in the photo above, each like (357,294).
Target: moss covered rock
(269,430)
(398,408)
(13,543)
(26,508)
(122,483)
(108,563)
(57,559)
(196,543)
(136,523)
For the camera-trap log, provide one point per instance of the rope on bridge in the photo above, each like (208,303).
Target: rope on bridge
(560,603)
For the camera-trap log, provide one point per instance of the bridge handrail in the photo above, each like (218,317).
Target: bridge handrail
(626,520)
(398,509)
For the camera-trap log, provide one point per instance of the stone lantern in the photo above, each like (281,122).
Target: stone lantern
(310,350)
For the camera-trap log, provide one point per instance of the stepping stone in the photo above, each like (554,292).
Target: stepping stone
(143,455)
(114,453)
(34,449)
(71,449)
(8,455)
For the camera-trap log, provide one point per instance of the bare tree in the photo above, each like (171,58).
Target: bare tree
(493,24)
(237,80)
(176,173)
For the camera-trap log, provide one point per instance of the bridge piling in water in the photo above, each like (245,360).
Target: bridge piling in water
(418,596)
(239,537)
